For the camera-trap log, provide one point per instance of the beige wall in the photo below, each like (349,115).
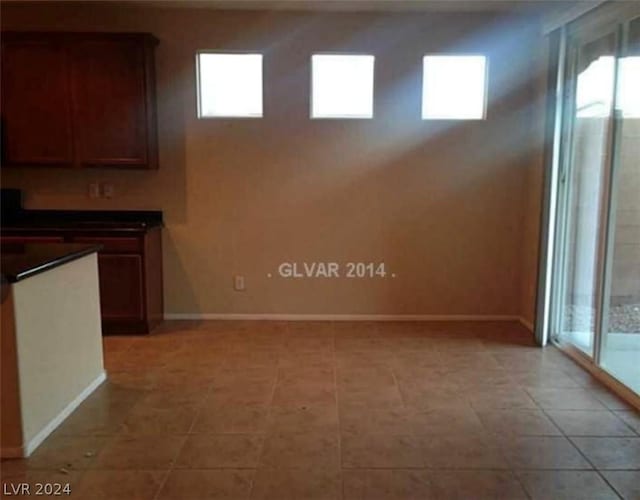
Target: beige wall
(444,205)
(533,186)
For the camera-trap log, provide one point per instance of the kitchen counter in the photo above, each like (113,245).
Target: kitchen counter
(50,339)
(129,257)
(89,220)
(21,261)
(129,264)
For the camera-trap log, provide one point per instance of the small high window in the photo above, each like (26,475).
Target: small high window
(229,85)
(454,87)
(342,86)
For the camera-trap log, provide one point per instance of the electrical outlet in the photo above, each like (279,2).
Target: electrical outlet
(93,190)
(108,190)
(238,283)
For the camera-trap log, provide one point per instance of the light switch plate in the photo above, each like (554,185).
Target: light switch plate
(108,190)
(238,283)
(93,190)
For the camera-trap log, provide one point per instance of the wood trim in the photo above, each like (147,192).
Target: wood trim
(150,106)
(153,278)
(77,35)
(608,380)
(341,317)
(112,326)
(527,324)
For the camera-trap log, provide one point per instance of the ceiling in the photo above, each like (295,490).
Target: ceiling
(344,5)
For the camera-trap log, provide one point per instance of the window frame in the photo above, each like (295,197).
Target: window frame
(485,89)
(373,87)
(199,114)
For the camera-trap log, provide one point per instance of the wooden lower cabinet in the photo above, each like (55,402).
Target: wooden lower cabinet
(121,287)
(130,269)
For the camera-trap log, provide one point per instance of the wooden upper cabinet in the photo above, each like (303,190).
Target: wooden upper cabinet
(110,104)
(106,89)
(36,112)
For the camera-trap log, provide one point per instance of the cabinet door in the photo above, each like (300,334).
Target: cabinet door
(36,114)
(121,292)
(110,102)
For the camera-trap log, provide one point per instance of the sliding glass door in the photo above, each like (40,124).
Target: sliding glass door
(589,122)
(621,306)
(596,289)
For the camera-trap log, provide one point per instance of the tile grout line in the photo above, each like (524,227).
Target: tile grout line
(188,435)
(162,483)
(268,415)
(544,412)
(335,384)
(598,471)
(583,455)
(512,470)
(635,432)
(392,369)
(184,443)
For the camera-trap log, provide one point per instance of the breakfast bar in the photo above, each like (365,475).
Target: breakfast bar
(51,339)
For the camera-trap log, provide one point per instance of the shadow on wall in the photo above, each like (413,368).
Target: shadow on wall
(427,196)
(176,272)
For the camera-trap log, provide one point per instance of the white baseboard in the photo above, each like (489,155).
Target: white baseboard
(526,323)
(342,317)
(37,440)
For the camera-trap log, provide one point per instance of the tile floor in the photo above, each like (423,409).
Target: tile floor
(215,410)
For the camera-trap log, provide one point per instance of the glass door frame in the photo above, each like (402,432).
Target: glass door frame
(610,234)
(565,165)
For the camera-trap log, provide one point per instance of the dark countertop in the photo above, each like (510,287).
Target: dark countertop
(89,220)
(21,261)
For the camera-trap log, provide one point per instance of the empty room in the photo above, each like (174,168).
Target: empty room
(320,250)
